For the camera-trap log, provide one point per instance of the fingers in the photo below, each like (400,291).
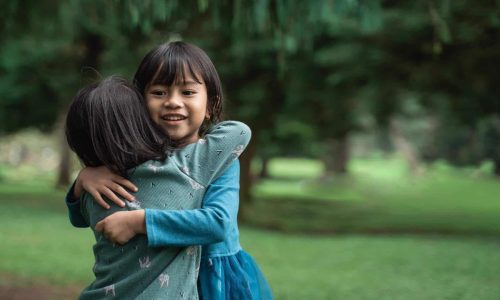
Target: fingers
(117,188)
(111,236)
(98,199)
(126,183)
(112,196)
(101,227)
(100,182)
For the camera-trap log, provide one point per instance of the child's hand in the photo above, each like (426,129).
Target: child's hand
(121,226)
(99,181)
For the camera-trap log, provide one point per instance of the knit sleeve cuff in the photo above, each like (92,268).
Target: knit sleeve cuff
(149,219)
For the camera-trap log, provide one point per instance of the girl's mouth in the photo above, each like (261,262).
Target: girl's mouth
(173,117)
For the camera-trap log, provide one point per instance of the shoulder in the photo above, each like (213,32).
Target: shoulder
(236,127)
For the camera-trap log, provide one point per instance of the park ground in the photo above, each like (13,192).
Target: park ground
(377,234)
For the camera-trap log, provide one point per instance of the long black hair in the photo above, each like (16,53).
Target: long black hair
(108,124)
(170,63)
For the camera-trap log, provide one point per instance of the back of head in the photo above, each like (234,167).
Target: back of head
(173,62)
(108,124)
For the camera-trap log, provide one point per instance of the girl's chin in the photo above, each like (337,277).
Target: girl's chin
(180,140)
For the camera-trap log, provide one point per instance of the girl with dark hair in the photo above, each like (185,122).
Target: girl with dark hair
(169,72)
(108,125)
(102,130)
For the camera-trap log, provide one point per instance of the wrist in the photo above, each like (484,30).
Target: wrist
(78,189)
(139,223)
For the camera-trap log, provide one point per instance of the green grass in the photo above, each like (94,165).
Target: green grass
(377,267)
(39,245)
(378,196)
(38,242)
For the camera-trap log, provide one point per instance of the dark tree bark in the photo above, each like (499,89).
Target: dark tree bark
(337,159)
(496,167)
(63,171)
(246,179)
(64,168)
(404,147)
(264,171)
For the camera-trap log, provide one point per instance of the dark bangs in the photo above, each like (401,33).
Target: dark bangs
(175,69)
(172,63)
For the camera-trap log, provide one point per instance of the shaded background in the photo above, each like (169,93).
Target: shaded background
(375,151)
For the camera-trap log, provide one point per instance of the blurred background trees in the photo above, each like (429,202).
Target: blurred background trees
(379,118)
(420,76)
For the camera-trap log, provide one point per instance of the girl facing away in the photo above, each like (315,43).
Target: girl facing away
(168,77)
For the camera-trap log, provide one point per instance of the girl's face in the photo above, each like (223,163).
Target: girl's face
(179,109)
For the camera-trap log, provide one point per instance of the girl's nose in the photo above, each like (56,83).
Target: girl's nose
(174,101)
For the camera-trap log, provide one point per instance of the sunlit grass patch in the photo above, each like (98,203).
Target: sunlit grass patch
(379,195)
(40,242)
(40,245)
(377,267)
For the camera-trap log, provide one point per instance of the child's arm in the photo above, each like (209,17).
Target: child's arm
(206,225)
(96,181)
(121,226)
(73,203)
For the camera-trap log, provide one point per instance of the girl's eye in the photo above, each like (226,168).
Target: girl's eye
(188,93)
(158,93)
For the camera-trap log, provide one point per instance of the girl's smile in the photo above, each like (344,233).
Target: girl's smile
(173,119)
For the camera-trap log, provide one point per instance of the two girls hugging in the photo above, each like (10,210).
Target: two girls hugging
(176,235)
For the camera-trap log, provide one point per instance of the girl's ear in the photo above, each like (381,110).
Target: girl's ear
(207,115)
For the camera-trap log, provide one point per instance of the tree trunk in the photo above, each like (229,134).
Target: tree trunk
(63,170)
(404,147)
(246,179)
(337,160)
(63,177)
(94,47)
(264,171)
(496,167)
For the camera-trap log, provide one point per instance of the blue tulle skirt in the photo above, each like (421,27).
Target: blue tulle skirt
(232,277)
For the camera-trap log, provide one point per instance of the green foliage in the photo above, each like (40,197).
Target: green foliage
(322,63)
(462,144)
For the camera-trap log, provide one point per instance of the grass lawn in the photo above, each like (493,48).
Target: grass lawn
(38,245)
(378,196)
(38,242)
(377,267)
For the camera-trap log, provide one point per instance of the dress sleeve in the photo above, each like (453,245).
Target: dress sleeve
(210,156)
(209,224)
(74,209)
